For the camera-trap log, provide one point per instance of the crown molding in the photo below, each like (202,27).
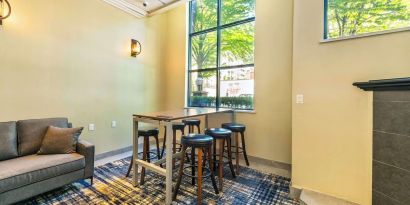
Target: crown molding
(128,7)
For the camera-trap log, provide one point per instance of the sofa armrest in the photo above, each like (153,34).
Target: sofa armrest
(87,150)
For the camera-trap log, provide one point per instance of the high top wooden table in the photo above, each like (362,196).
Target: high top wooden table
(166,118)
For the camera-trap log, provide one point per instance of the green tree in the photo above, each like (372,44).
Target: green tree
(236,42)
(350,17)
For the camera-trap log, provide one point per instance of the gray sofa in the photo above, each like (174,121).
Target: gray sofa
(24,174)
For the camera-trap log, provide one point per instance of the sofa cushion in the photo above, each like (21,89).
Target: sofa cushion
(60,140)
(8,140)
(31,132)
(22,171)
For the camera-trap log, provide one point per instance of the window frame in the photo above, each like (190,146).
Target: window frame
(218,29)
(325,38)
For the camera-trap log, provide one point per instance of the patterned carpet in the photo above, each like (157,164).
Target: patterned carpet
(111,187)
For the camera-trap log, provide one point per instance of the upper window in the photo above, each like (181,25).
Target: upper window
(221,53)
(344,18)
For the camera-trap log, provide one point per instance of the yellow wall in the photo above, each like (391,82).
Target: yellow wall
(332,140)
(269,129)
(71,58)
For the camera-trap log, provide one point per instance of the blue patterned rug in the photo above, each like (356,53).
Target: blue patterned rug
(111,187)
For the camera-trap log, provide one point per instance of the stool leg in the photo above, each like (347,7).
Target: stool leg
(230,159)
(244,148)
(214,154)
(199,193)
(144,157)
(186,154)
(193,164)
(158,149)
(130,167)
(174,147)
(211,168)
(180,173)
(237,152)
(163,143)
(220,163)
(199,129)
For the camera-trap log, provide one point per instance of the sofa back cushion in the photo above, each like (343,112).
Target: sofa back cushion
(8,140)
(31,132)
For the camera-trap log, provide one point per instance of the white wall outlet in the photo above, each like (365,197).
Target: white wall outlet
(113,123)
(91,127)
(300,99)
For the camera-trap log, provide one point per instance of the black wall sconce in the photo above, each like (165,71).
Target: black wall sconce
(2,15)
(135,48)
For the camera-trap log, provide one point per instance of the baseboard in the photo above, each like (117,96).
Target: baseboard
(295,192)
(273,163)
(112,153)
(124,150)
(279,165)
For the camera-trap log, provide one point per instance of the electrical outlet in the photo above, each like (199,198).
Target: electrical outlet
(113,123)
(300,99)
(91,127)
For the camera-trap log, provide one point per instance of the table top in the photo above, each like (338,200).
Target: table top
(181,113)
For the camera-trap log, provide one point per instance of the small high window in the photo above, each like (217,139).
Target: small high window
(344,18)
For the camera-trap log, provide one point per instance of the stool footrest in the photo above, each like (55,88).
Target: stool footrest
(206,171)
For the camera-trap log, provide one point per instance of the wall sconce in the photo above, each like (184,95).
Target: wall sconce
(2,15)
(135,48)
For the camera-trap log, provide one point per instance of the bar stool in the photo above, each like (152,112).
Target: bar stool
(203,143)
(238,128)
(175,128)
(192,123)
(146,153)
(222,135)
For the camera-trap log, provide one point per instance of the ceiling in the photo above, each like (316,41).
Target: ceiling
(138,9)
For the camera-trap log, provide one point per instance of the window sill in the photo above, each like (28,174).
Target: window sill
(365,35)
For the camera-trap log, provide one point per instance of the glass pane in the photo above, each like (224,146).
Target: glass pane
(203,89)
(203,51)
(236,10)
(353,17)
(237,88)
(237,45)
(203,14)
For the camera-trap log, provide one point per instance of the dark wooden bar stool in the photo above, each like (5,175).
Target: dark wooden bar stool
(146,153)
(192,123)
(222,135)
(238,128)
(175,128)
(203,143)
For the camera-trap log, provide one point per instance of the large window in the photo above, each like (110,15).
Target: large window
(344,18)
(221,53)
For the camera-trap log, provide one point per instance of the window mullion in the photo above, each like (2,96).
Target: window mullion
(190,21)
(218,54)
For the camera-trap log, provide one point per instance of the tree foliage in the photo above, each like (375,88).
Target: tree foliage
(351,17)
(236,42)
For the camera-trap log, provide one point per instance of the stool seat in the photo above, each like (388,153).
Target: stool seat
(148,132)
(219,133)
(234,127)
(196,140)
(191,122)
(180,126)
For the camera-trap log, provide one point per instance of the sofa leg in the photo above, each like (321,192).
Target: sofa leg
(91,180)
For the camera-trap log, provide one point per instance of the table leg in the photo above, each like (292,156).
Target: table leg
(168,175)
(135,153)
(233,116)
